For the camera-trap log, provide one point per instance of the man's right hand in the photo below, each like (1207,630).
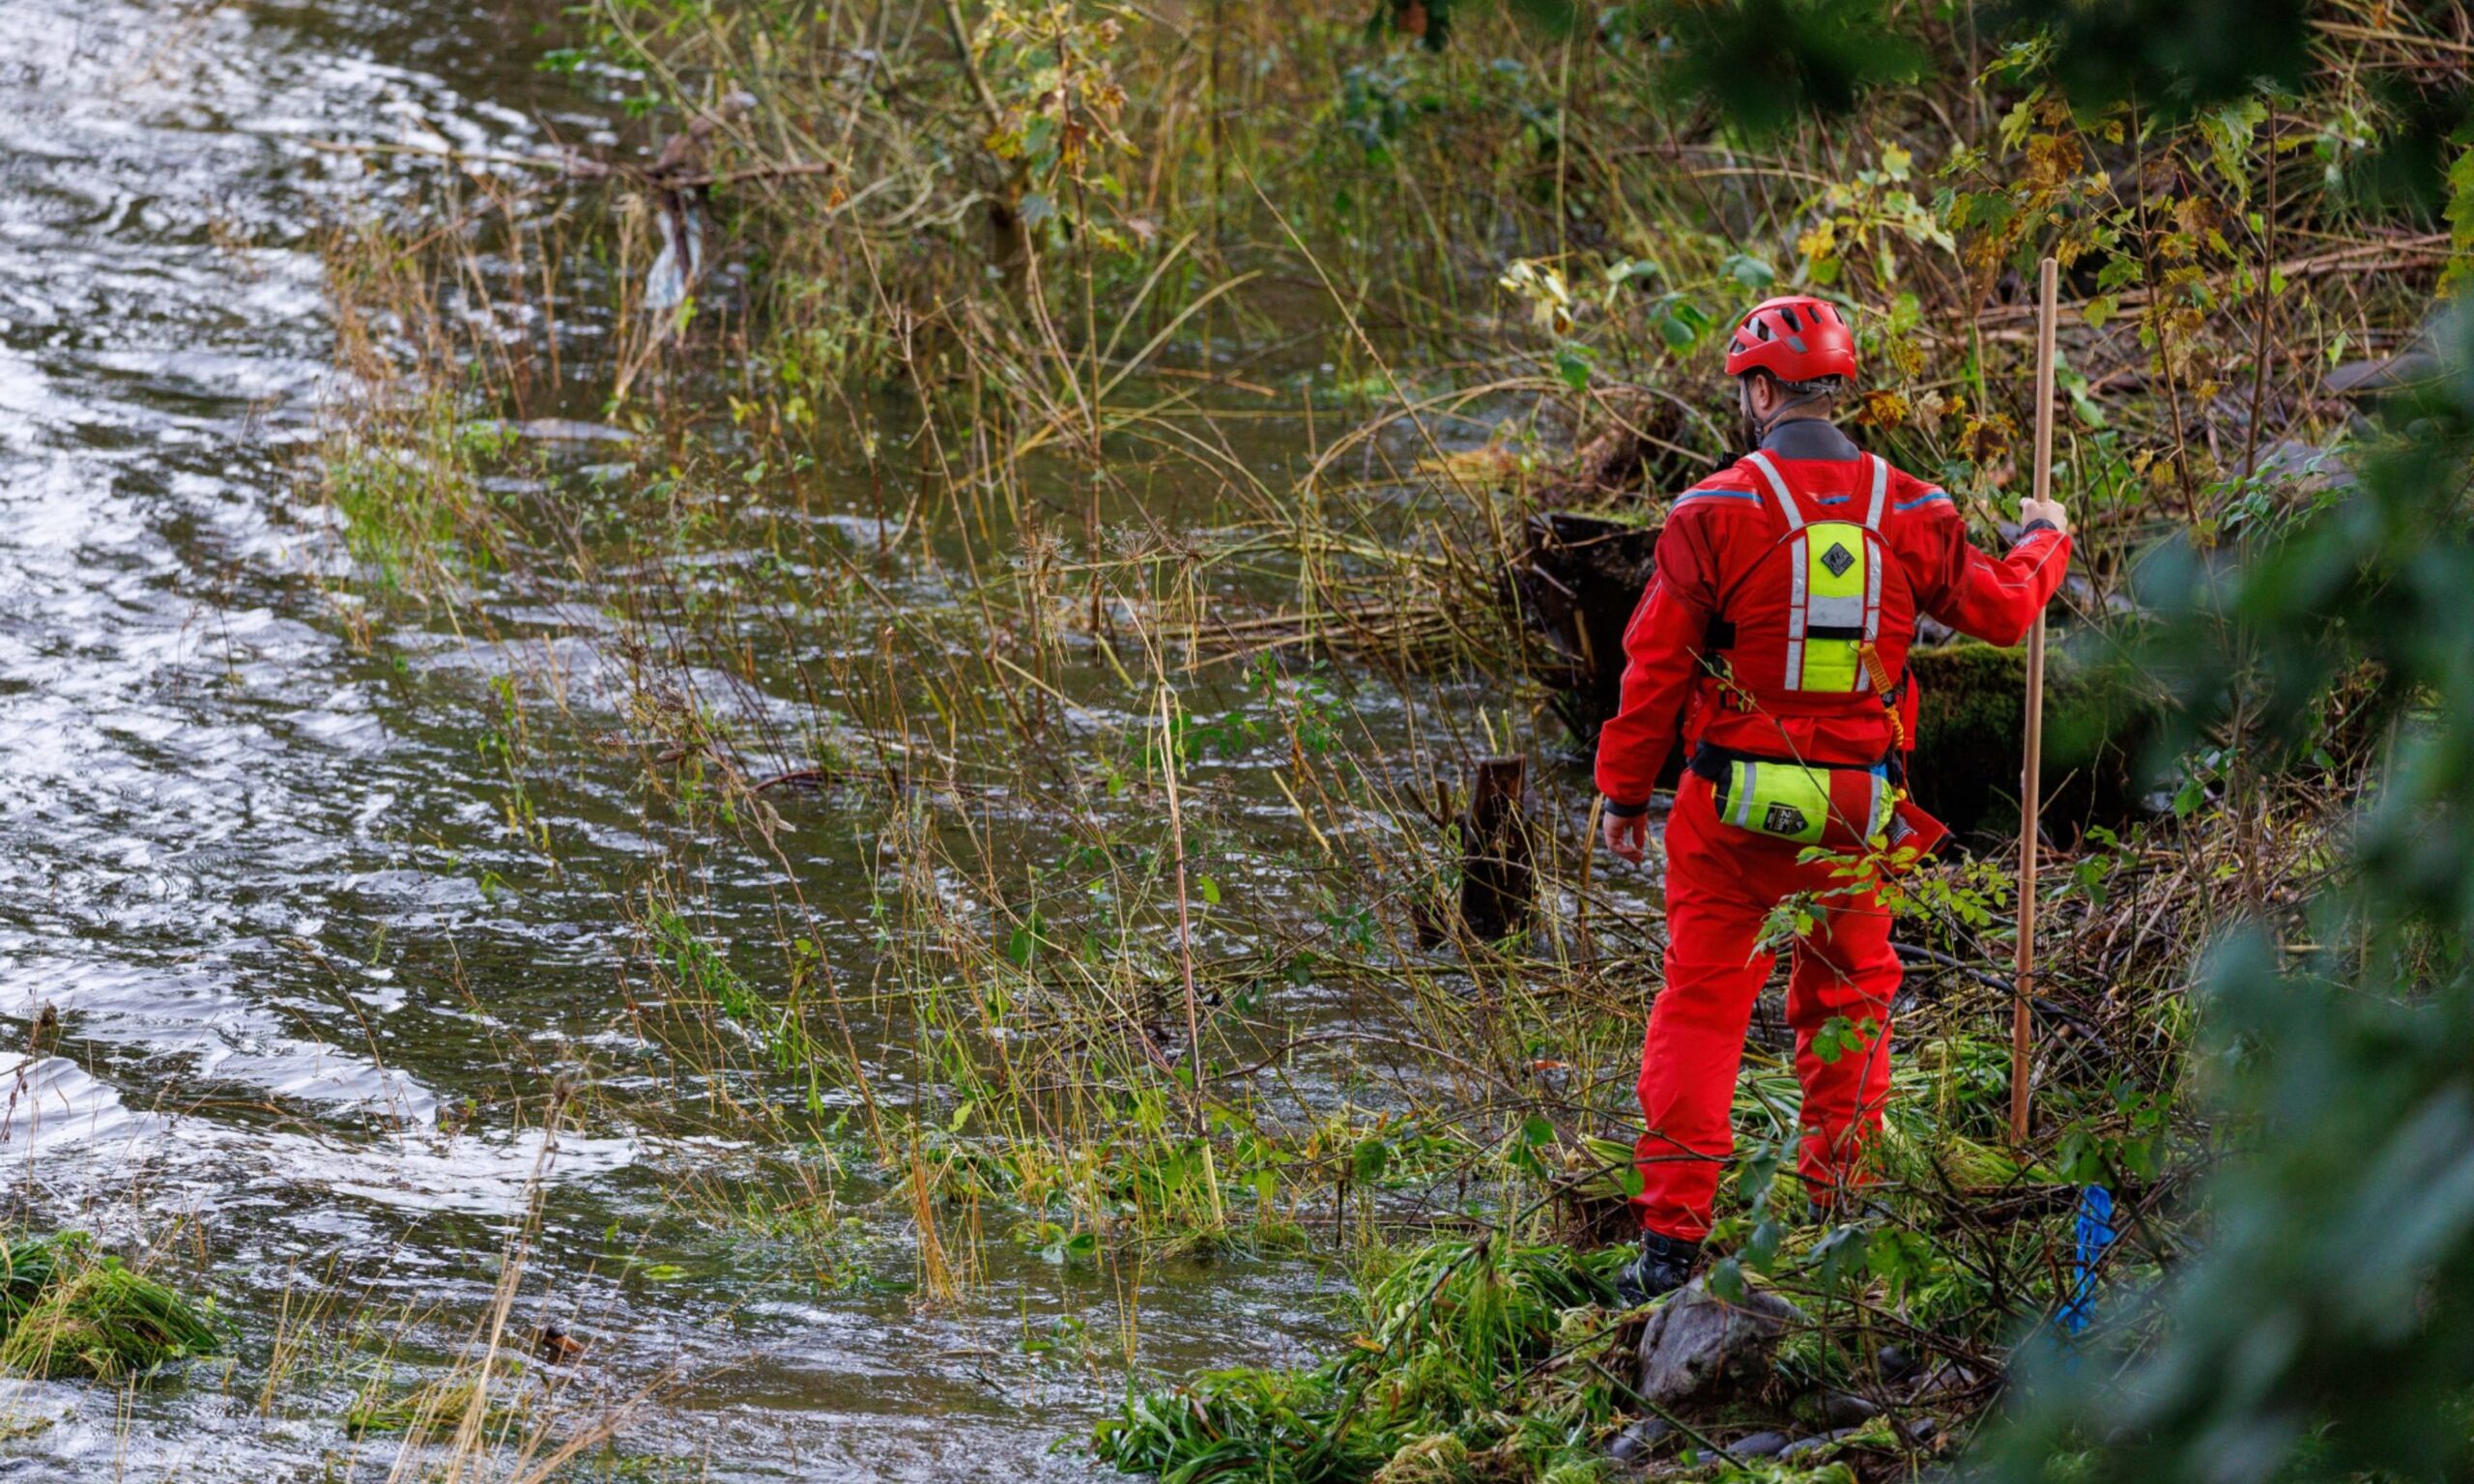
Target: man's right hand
(1626,834)
(2032,510)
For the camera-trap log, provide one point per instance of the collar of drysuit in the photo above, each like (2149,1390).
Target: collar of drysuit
(1809,437)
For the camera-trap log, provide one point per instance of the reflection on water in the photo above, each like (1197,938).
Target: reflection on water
(312,998)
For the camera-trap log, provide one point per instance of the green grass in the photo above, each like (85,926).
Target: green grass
(431,1409)
(71,1311)
(1452,1330)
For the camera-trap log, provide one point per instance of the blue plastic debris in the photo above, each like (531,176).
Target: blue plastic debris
(2095,1235)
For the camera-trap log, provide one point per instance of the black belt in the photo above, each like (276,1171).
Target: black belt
(1711,762)
(1719,634)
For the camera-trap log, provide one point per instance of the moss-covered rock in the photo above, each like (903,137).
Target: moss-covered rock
(1971,736)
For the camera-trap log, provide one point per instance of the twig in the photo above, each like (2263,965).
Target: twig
(1661,1414)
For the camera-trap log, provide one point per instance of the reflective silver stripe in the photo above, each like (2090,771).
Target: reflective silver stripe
(1873,591)
(1799,552)
(1799,581)
(1743,795)
(1834,613)
(1873,566)
(1873,808)
(1777,487)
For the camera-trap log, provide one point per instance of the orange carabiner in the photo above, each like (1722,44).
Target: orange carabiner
(1881,673)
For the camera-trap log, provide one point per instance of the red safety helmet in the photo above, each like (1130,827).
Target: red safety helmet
(1795,339)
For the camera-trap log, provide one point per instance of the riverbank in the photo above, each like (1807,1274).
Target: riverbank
(1097,576)
(804,761)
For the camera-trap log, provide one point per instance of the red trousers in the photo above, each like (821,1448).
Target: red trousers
(1722,883)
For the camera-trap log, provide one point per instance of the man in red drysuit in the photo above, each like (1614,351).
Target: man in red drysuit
(1772,642)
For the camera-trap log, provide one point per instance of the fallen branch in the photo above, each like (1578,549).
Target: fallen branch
(2427,249)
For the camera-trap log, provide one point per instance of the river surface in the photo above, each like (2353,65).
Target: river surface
(313,1000)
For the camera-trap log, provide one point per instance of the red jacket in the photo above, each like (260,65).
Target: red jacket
(1720,529)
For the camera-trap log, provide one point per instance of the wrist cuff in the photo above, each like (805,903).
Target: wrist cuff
(2033,527)
(1628,810)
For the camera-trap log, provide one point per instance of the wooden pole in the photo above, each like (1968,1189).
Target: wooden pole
(2031,777)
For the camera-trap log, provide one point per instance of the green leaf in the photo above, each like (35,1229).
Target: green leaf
(1726,1280)
(2119,273)
(1754,273)
(2460,221)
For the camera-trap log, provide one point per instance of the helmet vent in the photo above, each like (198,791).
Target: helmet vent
(1761,329)
(1788,313)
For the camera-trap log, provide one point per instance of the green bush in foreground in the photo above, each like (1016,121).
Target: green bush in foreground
(2325,1329)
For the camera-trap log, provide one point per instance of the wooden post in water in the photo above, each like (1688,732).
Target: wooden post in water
(2031,772)
(1495,874)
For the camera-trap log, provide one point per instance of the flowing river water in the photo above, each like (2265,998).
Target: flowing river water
(304,1043)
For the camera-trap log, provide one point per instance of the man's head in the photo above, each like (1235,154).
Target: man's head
(1791,358)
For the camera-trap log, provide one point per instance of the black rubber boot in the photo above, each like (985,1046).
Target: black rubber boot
(1665,1265)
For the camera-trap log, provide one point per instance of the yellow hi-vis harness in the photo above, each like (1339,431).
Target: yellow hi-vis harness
(1834,625)
(1834,602)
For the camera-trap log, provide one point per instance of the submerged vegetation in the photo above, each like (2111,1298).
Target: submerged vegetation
(1030,489)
